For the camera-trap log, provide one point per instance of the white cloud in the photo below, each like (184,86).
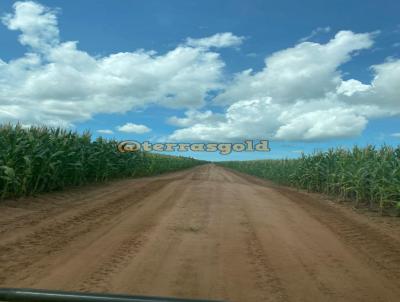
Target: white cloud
(300,95)
(244,119)
(219,40)
(308,70)
(322,124)
(54,78)
(105,131)
(386,84)
(262,119)
(193,117)
(351,87)
(37,23)
(396,134)
(133,128)
(315,32)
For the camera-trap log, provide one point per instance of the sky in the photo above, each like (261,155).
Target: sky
(307,76)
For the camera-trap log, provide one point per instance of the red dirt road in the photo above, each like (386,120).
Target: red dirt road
(202,233)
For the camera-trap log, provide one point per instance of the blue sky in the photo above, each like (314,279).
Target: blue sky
(174,71)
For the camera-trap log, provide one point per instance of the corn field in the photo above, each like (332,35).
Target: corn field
(367,176)
(43,159)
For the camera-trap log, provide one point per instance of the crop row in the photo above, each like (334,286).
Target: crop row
(42,159)
(367,175)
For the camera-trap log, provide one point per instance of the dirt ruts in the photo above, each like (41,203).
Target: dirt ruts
(207,232)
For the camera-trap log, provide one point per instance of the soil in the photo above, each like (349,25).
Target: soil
(207,233)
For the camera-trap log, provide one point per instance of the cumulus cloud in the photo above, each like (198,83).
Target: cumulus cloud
(301,95)
(386,84)
(243,119)
(219,40)
(53,79)
(193,117)
(105,131)
(322,124)
(133,128)
(315,32)
(308,70)
(37,23)
(351,87)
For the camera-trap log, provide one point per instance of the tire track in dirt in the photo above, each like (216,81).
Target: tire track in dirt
(191,226)
(370,242)
(18,217)
(266,278)
(204,233)
(100,278)
(19,255)
(37,216)
(164,244)
(379,249)
(337,255)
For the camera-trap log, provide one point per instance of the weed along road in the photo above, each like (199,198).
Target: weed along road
(205,232)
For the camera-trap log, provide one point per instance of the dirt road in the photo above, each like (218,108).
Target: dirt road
(200,233)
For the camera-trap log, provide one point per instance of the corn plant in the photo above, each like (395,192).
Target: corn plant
(367,175)
(43,159)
